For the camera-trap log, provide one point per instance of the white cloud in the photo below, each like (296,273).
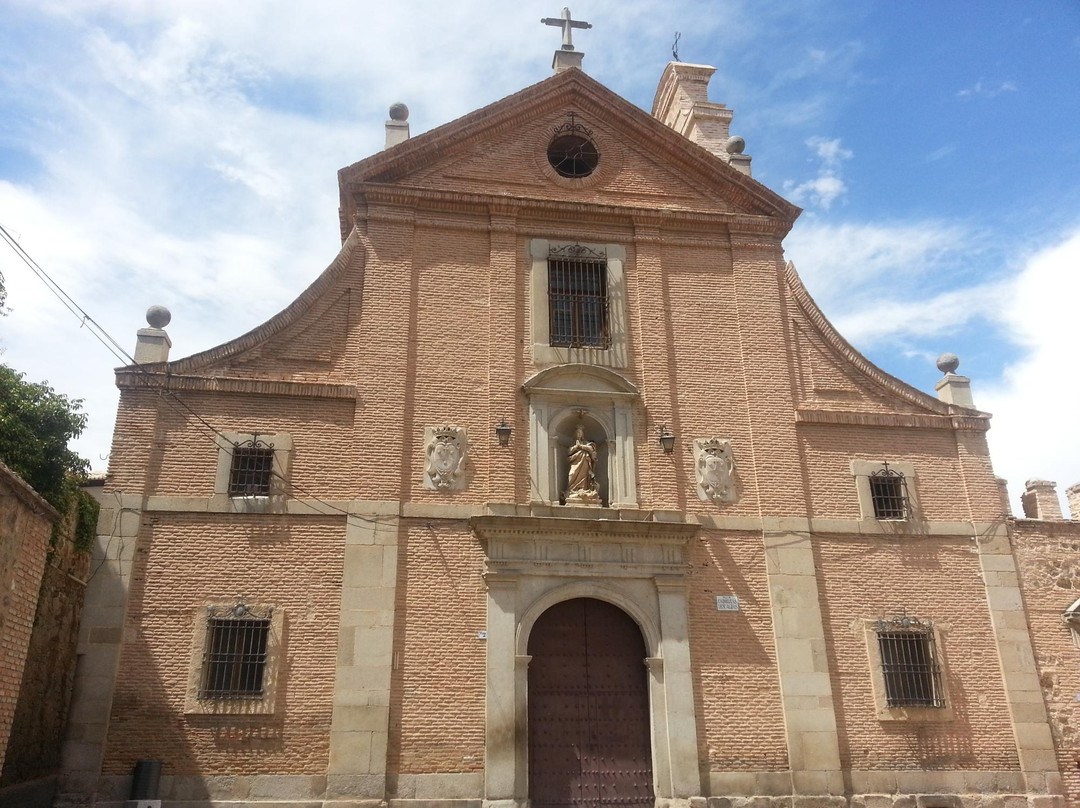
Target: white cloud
(827,186)
(981,89)
(1034,430)
(842,260)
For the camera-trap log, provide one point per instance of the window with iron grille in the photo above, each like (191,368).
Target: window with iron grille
(251,471)
(234,662)
(888,493)
(909,663)
(578,297)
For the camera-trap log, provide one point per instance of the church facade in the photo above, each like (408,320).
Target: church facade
(555,488)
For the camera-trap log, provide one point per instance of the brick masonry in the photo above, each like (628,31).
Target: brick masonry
(26,522)
(424,319)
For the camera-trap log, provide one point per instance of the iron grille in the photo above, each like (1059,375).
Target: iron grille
(252,468)
(888,492)
(578,298)
(235,661)
(909,663)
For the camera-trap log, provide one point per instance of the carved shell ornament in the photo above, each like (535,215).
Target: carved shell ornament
(714,467)
(446,451)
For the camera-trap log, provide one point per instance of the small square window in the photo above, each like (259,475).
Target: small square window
(907,670)
(251,470)
(888,493)
(235,663)
(912,676)
(234,659)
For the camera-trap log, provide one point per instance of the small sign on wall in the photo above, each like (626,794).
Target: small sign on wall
(727,603)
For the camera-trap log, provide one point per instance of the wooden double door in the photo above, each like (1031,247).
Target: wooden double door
(589,738)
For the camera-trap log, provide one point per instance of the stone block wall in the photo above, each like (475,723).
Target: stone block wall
(1048,560)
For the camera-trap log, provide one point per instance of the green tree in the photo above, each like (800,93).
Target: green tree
(36,424)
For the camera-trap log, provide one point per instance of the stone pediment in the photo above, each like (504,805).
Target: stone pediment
(579,381)
(500,151)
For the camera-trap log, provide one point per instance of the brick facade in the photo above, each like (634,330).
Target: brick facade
(407,609)
(26,522)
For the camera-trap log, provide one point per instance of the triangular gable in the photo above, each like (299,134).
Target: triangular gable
(660,157)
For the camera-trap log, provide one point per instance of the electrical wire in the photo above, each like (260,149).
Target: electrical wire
(170,397)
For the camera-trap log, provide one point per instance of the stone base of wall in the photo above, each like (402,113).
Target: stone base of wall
(462,791)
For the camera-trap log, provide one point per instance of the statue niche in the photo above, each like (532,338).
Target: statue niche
(582,463)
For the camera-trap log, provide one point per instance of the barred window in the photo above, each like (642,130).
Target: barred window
(234,663)
(888,493)
(251,470)
(909,664)
(578,297)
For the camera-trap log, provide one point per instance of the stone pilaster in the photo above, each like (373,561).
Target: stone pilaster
(803,666)
(359,726)
(1031,728)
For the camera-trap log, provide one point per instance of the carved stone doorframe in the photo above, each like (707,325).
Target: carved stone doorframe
(638,566)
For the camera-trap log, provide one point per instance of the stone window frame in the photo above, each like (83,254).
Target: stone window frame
(924,715)
(544,353)
(279,483)
(861,471)
(275,653)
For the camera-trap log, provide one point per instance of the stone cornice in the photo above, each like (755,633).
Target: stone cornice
(528,528)
(386,202)
(888,419)
(138,378)
(572,87)
(885,380)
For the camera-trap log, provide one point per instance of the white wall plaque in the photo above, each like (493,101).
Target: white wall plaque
(727,603)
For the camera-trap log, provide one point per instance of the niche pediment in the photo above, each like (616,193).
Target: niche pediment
(579,381)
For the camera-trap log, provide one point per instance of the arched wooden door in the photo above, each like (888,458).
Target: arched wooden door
(589,742)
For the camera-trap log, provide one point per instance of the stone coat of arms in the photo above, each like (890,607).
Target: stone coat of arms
(714,468)
(446,449)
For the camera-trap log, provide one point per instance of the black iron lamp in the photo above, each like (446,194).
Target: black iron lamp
(502,432)
(666,440)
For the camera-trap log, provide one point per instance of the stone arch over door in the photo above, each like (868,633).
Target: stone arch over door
(588,708)
(638,567)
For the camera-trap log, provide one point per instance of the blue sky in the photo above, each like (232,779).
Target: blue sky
(184,152)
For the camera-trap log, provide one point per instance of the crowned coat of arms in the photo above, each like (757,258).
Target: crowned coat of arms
(446,450)
(714,467)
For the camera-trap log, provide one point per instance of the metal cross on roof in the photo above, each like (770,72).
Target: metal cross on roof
(566,24)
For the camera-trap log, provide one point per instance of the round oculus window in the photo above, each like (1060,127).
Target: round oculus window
(573,155)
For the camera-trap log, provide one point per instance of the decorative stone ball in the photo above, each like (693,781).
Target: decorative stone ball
(948,362)
(158,316)
(735,145)
(399,112)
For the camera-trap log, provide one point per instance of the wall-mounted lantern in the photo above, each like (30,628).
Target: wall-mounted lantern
(666,440)
(502,432)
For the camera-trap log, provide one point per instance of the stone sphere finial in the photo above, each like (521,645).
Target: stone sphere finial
(735,145)
(399,112)
(948,362)
(158,316)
